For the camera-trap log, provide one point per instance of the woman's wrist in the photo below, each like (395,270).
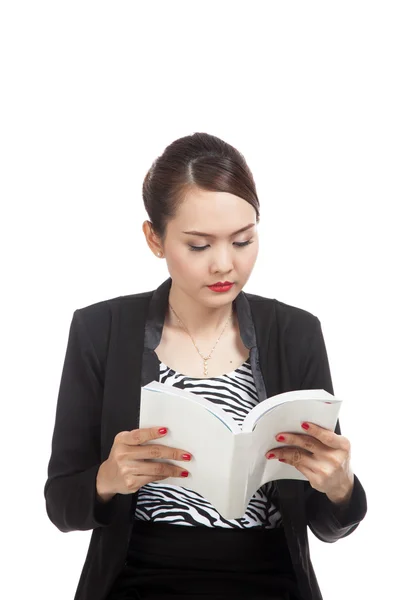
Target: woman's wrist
(103,494)
(105,497)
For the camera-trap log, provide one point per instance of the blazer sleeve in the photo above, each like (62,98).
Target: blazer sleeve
(70,492)
(327,521)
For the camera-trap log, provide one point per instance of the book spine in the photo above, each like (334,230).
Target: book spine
(238,476)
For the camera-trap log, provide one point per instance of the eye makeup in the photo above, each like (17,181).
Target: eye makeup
(238,244)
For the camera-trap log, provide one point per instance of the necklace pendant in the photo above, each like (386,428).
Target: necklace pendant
(205,366)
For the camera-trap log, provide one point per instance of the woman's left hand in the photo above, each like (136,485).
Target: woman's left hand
(323,457)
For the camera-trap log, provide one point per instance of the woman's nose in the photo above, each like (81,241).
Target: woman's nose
(222,261)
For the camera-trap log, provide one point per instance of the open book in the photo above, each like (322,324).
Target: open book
(228,460)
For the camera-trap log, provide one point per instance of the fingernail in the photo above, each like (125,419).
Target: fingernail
(281,460)
(162,430)
(271,455)
(184,473)
(186,456)
(281,438)
(305,426)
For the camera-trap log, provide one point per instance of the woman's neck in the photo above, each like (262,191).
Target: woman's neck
(201,321)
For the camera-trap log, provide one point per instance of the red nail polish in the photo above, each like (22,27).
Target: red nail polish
(281,460)
(184,473)
(271,455)
(186,456)
(305,426)
(162,430)
(281,438)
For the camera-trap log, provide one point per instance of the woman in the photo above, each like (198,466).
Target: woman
(152,540)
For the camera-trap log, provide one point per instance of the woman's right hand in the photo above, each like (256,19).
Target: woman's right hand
(126,469)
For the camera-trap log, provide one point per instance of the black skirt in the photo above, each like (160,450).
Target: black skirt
(165,561)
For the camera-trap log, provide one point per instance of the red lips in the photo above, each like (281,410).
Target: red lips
(220,287)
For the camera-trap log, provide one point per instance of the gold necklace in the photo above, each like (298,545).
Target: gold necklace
(205,358)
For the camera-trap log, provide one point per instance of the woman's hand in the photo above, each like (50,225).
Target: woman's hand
(126,469)
(323,457)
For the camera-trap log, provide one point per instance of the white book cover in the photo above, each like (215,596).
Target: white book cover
(228,460)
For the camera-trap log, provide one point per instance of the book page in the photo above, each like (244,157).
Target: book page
(266,405)
(284,418)
(216,410)
(193,428)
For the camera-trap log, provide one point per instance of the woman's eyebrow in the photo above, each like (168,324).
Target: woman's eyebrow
(210,235)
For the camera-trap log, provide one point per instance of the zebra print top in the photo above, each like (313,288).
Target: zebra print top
(236,393)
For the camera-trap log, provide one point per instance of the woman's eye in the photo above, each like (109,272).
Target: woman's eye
(238,244)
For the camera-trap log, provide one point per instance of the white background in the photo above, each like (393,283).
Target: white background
(92,92)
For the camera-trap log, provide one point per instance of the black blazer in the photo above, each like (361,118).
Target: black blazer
(109,356)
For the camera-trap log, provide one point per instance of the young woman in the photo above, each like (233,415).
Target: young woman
(198,331)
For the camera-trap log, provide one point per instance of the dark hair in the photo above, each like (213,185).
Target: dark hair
(201,161)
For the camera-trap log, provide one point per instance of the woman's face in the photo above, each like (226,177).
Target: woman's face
(220,215)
